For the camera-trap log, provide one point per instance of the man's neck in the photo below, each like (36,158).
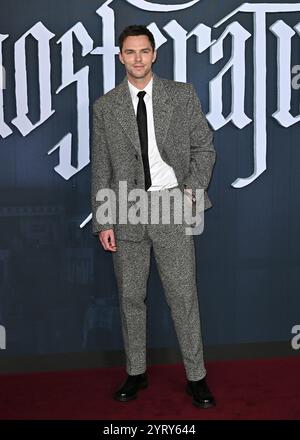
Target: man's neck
(140,83)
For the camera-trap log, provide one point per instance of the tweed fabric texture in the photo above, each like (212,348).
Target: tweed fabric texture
(183,137)
(174,254)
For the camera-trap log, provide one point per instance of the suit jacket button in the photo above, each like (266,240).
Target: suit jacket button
(135,181)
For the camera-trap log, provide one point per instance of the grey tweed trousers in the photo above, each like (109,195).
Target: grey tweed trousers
(174,254)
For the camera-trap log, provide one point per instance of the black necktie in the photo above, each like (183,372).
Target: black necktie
(141,117)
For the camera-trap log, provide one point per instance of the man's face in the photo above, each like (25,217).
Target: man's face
(137,56)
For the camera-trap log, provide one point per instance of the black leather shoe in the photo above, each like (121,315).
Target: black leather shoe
(130,387)
(202,397)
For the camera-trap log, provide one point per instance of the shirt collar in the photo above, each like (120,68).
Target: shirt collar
(134,90)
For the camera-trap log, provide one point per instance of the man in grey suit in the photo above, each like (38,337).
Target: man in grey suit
(152,134)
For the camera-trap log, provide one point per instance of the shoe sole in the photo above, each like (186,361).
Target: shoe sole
(200,405)
(127,399)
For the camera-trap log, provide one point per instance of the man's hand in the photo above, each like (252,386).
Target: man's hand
(107,239)
(189,193)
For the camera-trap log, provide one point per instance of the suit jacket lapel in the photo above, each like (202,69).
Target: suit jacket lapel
(125,114)
(162,111)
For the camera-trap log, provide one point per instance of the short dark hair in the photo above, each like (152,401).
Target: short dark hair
(134,30)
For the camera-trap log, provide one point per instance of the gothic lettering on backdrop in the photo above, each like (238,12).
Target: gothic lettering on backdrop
(236,66)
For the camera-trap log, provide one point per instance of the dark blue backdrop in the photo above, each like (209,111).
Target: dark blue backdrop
(57,288)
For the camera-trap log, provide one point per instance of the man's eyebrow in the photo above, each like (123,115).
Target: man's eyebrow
(132,50)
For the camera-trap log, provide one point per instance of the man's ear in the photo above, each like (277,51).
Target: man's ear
(121,58)
(154,56)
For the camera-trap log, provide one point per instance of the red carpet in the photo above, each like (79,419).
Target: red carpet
(246,389)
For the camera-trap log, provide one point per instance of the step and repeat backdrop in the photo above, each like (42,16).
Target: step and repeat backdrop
(58,293)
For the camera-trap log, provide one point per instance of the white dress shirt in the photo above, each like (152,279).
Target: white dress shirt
(162,174)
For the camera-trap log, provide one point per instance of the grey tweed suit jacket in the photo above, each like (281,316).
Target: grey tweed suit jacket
(183,138)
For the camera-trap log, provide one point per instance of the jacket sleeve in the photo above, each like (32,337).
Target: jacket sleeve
(101,169)
(202,152)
